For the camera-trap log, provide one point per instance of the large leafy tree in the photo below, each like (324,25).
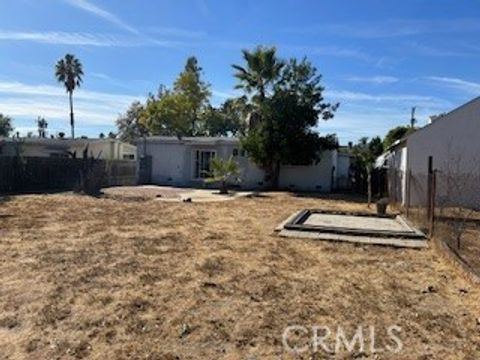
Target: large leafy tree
(5,125)
(69,71)
(129,125)
(226,120)
(177,111)
(395,134)
(167,114)
(193,91)
(288,115)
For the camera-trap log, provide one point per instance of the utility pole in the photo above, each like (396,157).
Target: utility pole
(413,121)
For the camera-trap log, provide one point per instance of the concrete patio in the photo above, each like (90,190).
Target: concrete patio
(360,228)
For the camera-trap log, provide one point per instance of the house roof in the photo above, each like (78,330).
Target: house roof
(56,142)
(402,142)
(209,140)
(195,140)
(442,118)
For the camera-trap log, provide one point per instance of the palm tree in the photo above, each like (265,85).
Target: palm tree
(262,69)
(69,72)
(42,126)
(223,171)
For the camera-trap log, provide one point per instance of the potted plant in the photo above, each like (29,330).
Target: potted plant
(382,205)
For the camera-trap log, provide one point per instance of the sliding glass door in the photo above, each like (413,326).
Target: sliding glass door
(202,163)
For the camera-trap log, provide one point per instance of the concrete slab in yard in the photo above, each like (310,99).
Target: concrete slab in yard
(352,227)
(351,221)
(358,239)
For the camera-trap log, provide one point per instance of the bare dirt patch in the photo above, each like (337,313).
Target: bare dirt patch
(112,279)
(170,194)
(145,192)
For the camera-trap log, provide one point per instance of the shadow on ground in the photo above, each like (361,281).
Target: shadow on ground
(4,199)
(356,198)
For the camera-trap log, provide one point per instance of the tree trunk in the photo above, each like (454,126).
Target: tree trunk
(223,188)
(369,185)
(72,121)
(275,175)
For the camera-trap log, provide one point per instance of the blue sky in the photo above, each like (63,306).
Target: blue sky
(378,58)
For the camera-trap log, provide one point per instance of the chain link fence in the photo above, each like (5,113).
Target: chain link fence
(445,204)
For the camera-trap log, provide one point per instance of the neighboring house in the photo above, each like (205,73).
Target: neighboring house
(106,149)
(453,142)
(343,178)
(185,162)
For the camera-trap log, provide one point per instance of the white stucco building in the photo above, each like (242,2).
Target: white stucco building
(105,149)
(185,162)
(453,142)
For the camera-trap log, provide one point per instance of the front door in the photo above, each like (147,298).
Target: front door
(202,163)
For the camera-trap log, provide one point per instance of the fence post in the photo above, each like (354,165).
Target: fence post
(429,187)
(433,192)
(407,191)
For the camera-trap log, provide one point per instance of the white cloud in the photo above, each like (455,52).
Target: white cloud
(463,85)
(365,114)
(176,32)
(91,107)
(427,50)
(122,84)
(24,130)
(69,38)
(299,50)
(87,113)
(374,79)
(225,94)
(202,7)
(17,88)
(104,14)
(87,39)
(352,96)
(393,28)
(329,51)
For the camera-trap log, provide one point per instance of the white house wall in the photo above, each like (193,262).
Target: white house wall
(173,164)
(316,177)
(168,163)
(251,175)
(453,142)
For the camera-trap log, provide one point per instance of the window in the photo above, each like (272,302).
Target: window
(128,157)
(235,152)
(243,153)
(202,163)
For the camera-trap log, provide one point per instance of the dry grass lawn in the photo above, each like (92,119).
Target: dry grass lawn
(470,248)
(115,279)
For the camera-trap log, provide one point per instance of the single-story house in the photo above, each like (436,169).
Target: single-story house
(186,162)
(453,143)
(105,149)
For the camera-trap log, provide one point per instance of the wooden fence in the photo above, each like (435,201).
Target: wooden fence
(36,174)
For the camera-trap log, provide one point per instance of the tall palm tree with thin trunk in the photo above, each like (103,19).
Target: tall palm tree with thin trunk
(42,125)
(69,71)
(262,69)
